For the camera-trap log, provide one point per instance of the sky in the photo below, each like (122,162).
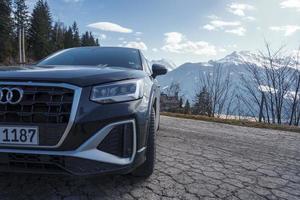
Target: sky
(185,30)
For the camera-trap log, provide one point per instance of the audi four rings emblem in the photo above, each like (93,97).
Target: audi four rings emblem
(11,95)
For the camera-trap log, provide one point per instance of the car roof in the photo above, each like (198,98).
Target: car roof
(106,47)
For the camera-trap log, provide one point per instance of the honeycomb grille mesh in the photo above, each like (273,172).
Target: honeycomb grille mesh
(39,105)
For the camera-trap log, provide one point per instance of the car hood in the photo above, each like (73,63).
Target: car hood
(76,75)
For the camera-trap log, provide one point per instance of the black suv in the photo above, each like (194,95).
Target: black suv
(81,111)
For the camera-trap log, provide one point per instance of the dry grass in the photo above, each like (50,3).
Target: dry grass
(246,123)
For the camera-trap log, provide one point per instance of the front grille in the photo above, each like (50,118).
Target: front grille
(31,163)
(39,105)
(48,107)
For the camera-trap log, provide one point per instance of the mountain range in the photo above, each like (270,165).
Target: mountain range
(188,74)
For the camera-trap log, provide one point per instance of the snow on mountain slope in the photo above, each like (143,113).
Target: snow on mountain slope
(236,64)
(188,74)
(238,58)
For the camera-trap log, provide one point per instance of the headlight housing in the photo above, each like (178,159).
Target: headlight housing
(118,91)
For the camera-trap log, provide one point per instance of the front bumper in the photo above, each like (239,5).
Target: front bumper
(66,165)
(85,160)
(89,125)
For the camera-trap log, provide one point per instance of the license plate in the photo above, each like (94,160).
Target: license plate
(19,135)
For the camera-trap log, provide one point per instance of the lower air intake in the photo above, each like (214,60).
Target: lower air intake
(119,141)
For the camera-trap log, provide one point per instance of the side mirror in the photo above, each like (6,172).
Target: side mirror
(158,69)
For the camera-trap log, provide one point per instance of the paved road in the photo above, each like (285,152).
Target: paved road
(196,160)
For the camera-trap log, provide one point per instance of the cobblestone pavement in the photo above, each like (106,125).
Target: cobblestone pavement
(195,160)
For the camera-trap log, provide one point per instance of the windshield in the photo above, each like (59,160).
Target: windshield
(96,56)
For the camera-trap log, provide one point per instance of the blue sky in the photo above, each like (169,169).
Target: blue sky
(185,30)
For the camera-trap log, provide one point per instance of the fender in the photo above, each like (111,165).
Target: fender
(153,98)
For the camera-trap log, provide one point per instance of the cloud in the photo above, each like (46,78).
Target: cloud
(232,46)
(249,18)
(138,45)
(288,29)
(177,43)
(290,4)
(220,24)
(100,36)
(233,27)
(240,31)
(108,26)
(209,27)
(138,33)
(239,8)
(212,17)
(155,50)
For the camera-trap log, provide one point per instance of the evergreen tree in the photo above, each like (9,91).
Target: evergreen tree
(92,41)
(42,38)
(6,48)
(84,39)
(57,36)
(87,39)
(187,107)
(68,40)
(21,14)
(40,30)
(21,19)
(180,102)
(76,37)
(203,104)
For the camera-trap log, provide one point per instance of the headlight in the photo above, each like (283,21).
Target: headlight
(118,91)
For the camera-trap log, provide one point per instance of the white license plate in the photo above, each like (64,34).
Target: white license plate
(19,135)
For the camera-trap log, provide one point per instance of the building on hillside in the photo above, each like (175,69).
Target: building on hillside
(169,103)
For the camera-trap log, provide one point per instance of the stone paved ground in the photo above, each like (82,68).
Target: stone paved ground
(195,160)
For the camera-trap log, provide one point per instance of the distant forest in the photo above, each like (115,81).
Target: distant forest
(27,37)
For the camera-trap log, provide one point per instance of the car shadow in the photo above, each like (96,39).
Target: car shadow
(33,186)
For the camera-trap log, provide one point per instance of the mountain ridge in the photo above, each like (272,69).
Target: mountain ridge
(188,74)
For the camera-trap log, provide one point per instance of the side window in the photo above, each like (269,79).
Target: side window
(146,65)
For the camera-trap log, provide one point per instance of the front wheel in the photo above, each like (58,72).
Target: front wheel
(147,168)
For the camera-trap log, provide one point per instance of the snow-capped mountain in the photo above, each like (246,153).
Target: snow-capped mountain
(236,66)
(167,63)
(238,58)
(188,74)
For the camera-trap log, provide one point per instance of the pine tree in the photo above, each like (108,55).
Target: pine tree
(180,102)
(91,39)
(76,37)
(57,36)
(187,107)
(84,39)
(21,19)
(6,48)
(21,14)
(87,39)
(203,103)
(68,40)
(40,30)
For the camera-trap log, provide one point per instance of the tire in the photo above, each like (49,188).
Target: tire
(147,168)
